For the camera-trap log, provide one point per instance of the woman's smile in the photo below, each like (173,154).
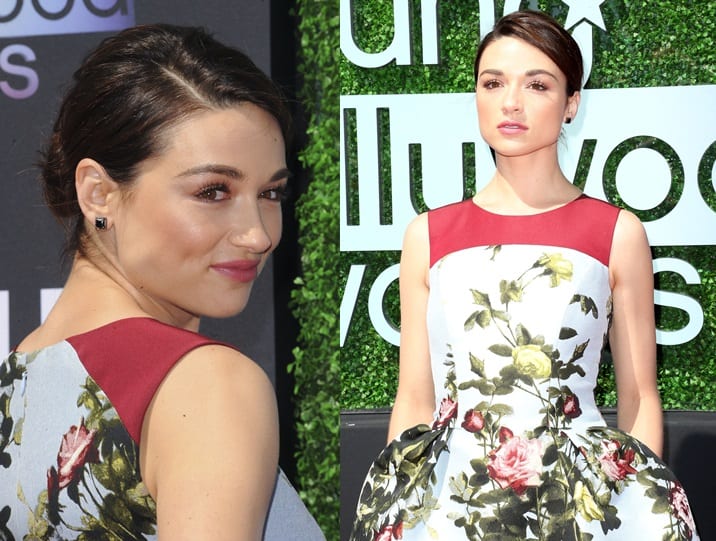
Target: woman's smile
(242,270)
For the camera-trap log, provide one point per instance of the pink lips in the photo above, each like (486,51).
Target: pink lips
(242,270)
(510,127)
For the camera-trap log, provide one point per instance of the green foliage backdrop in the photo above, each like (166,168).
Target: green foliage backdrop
(648,43)
(314,300)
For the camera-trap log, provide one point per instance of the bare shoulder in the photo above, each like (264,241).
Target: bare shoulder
(212,425)
(631,252)
(418,226)
(221,366)
(629,229)
(213,381)
(415,255)
(416,237)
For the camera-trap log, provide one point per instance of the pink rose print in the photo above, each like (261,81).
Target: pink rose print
(516,463)
(616,463)
(391,531)
(570,408)
(474,421)
(448,410)
(680,508)
(75,451)
(505,434)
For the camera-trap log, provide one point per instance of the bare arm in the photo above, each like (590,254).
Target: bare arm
(209,450)
(415,399)
(633,336)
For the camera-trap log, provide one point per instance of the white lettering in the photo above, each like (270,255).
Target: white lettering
(682,302)
(28,74)
(390,333)
(350,296)
(48,298)
(447,121)
(429,29)
(400,48)
(632,166)
(376,312)
(70,17)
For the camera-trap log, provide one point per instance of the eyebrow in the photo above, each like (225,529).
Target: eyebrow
(529,73)
(230,172)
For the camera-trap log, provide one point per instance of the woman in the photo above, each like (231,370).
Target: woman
(507,301)
(167,167)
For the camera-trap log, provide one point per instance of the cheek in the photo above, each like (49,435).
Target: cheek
(273,222)
(553,122)
(181,232)
(490,102)
(483,114)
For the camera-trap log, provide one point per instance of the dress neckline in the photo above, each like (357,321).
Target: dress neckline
(540,213)
(67,339)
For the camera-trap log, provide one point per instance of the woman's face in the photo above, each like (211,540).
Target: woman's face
(521,98)
(197,226)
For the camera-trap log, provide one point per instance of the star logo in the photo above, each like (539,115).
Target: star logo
(580,10)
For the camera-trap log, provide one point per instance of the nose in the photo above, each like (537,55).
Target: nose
(250,231)
(512,99)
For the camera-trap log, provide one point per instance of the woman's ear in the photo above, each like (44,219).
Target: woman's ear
(96,192)
(572,107)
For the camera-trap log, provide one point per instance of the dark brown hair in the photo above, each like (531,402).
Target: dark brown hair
(543,32)
(129,91)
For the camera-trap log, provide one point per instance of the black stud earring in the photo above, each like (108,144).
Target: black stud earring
(100,223)
(568,120)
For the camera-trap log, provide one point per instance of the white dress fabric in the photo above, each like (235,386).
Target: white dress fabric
(518,315)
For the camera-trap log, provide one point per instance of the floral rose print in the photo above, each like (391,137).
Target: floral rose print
(517,463)
(391,531)
(556,267)
(532,465)
(586,506)
(94,491)
(532,361)
(474,421)
(570,408)
(76,450)
(680,508)
(447,411)
(616,462)
(505,434)
(511,291)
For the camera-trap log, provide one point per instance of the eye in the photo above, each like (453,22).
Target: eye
(490,84)
(536,85)
(214,192)
(276,193)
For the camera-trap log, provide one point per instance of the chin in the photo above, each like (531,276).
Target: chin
(219,313)
(222,310)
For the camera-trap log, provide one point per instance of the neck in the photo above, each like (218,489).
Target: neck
(98,286)
(527,183)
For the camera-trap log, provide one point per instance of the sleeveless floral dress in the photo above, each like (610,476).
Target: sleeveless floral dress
(518,314)
(70,423)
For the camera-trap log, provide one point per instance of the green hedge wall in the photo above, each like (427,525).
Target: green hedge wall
(314,300)
(648,43)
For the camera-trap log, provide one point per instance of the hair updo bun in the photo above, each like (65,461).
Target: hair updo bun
(128,92)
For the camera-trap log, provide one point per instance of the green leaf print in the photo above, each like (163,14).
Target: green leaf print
(587,305)
(477,366)
(501,349)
